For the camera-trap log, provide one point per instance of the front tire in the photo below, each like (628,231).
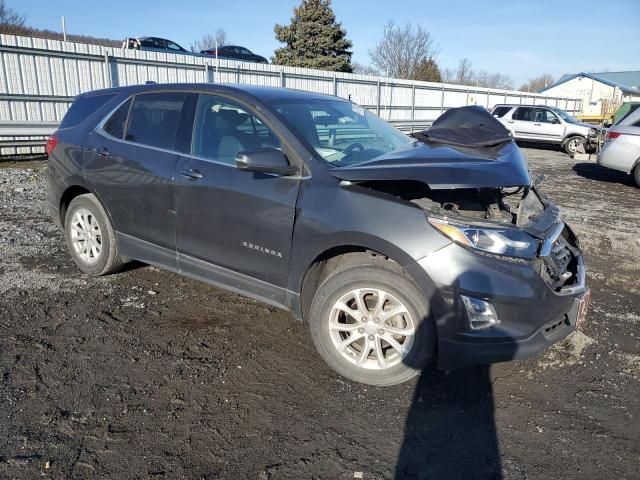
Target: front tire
(570,145)
(369,322)
(90,237)
(636,174)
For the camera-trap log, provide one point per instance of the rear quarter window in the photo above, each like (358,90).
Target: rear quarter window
(83,107)
(117,122)
(500,112)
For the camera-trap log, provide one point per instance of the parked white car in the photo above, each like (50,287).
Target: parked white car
(621,150)
(537,123)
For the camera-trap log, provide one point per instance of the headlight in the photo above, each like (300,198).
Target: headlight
(500,241)
(593,132)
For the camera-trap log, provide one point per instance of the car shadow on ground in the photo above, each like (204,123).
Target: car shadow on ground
(593,171)
(132,265)
(539,146)
(450,429)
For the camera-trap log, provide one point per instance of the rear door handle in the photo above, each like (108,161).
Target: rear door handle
(537,124)
(192,173)
(102,151)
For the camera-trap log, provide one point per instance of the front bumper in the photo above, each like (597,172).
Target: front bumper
(460,353)
(532,314)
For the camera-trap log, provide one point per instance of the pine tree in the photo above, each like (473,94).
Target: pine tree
(314,39)
(427,70)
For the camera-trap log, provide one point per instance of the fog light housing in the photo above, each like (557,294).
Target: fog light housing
(480,313)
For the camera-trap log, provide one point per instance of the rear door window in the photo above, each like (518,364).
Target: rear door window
(154,119)
(500,111)
(117,122)
(524,114)
(82,107)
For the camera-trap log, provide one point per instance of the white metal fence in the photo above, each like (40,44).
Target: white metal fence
(40,77)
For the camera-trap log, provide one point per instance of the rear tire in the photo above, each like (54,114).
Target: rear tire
(570,145)
(90,237)
(636,174)
(399,345)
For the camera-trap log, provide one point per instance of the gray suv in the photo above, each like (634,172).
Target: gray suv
(537,123)
(394,251)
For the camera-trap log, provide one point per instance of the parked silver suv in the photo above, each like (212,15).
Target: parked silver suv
(537,123)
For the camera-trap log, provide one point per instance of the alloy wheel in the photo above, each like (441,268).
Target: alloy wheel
(573,145)
(86,236)
(371,328)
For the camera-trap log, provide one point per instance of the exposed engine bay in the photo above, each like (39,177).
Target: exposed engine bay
(515,206)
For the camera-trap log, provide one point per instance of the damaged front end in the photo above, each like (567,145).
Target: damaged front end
(510,221)
(511,281)
(517,224)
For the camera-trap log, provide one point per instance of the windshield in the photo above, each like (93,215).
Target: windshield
(565,116)
(342,133)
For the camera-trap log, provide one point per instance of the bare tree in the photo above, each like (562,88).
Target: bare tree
(538,83)
(364,69)
(464,74)
(402,50)
(493,80)
(208,41)
(10,20)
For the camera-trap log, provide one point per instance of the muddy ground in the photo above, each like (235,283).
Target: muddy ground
(145,374)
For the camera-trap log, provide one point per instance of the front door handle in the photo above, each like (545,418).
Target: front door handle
(192,173)
(102,151)
(537,124)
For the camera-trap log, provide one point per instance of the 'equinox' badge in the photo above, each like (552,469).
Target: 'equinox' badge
(260,249)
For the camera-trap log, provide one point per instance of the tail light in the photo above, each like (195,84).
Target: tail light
(613,135)
(52,141)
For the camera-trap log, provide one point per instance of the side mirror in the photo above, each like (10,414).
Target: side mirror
(555,121)
(265,160)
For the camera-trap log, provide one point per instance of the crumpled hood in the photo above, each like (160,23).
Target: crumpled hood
(444,166)
(587,125)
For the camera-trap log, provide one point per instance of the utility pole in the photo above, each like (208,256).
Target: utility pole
(64,29)
(217,64)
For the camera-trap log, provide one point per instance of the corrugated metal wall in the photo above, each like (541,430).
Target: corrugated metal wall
(39,78)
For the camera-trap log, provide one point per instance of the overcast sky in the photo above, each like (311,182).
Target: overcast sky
(518,38)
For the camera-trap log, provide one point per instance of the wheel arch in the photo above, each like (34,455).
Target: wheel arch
(74,190)
(573,135)
(327,260)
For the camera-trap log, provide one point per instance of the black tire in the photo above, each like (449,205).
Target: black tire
(636,174)
(107,260)
(376,273)
(570,144)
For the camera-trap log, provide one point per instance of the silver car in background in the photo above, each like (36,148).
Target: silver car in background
(621,150)
(537,123)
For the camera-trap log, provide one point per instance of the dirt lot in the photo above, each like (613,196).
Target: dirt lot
(146,374)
